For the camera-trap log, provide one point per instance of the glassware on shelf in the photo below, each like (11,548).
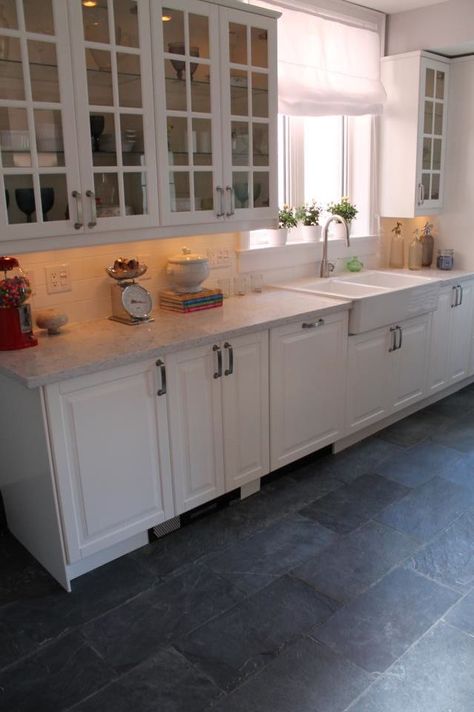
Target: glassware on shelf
(397,247)
(97,124)
(179,64)
(25,199)
(4,40)
(415,252)
(47,201)
(427,242)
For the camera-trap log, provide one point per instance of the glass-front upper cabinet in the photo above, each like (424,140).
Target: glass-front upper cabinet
(432,134)
(38,149)
(114,112)
(249,96)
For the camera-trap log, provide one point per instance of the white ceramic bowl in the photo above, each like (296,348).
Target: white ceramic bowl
(187,271)
(51,320)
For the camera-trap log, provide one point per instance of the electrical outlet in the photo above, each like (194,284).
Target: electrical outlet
(58,278)
(219,258)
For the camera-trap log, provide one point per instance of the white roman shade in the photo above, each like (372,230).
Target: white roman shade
(327,66)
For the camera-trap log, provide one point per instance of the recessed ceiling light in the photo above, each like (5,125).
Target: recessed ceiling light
(89,3)
(166,18)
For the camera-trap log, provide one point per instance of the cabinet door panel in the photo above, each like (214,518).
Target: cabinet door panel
(195,418)
(440,342)
(111,457)
(410,361)
(461,335)
(245,410)
(307,381)
(369,378)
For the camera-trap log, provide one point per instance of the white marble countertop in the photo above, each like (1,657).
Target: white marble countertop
(97,345)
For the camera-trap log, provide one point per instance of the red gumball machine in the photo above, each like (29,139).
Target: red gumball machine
(15,315)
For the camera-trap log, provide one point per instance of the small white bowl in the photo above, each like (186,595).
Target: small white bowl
(51,320)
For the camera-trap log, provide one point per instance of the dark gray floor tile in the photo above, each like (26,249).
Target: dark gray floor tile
(129,634)
(306,677)
(428,509)
(301,486)
(274,550)
(54,678)
(21,576)
(454,406)
(376,628)
(238,643)
(31,622)
(417,427)
(462,615)
(354,562)
(435,675)
(449,559)
(420,464)
(355,503)
(361,459)
(165,683)
(459,434)
(463,473)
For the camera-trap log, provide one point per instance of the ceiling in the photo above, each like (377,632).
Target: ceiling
(392,6)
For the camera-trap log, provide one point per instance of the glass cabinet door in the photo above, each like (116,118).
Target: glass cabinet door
(39,161)
(185,34)
(112,62)
(433,122)
(250,114)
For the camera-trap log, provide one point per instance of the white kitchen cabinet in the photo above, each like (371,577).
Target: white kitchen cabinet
(216,107)
(413,134)
(109,443)
(218,417)
(307,385)
(387,371)
(451,334)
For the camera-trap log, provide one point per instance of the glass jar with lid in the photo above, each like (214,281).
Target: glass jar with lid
(445,259)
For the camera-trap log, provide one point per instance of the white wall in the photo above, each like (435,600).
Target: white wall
(457,220)
(446,25)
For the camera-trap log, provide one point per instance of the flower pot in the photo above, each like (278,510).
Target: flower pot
(337,231)
(310,233)
(280,236)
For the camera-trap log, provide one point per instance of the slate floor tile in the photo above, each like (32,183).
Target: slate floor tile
(449,559)
(238,643)
(428,509)
(420,464)
(129,634)
(355,503)
(165,683)
(21,576)
(54,678)
(306,677)
(463,473)
(361,459)
(374,629)
(415,428)
(435,675)
(455,406)
(462,615)
(274,550)
(354,562)
(458,435)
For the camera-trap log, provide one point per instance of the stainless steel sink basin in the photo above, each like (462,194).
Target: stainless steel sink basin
(378,298)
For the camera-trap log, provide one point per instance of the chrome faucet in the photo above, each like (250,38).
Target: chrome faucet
(327,267)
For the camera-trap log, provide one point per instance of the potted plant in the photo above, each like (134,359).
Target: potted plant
(346,210)
(286,221)
(308,216)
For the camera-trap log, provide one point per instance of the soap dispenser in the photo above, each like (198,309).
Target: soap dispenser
(397,247)
(427,242)
(415,252)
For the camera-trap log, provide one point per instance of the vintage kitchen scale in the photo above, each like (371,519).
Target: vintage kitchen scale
(131,303)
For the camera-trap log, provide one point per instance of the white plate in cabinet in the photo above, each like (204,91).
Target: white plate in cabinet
(386,371)
(414,121)
(307,385)
(218,417)
(451,335)
(109,440)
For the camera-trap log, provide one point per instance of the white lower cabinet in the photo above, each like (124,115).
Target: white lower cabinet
(451,335)
(109,441)
(386,371)
(307,383)
(218,417)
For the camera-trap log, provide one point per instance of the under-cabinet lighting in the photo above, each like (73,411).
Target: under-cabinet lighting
(89,3)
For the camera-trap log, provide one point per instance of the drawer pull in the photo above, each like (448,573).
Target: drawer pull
(161,391)
(217,349)
(312,324)
(230,370)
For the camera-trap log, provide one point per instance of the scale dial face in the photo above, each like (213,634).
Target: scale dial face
(136,301)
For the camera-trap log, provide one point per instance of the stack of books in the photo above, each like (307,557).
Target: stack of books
(191,302)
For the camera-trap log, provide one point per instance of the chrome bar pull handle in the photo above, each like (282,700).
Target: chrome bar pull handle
(393,344)
(217,349)
(78,198)
(422,193)
(400,333)
(229,189)
(93,222)
(454,297)
(161,365)
(220,192)
(312,324)
(230,370)
(461,294)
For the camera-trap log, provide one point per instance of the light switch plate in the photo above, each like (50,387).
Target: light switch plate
(58,278)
